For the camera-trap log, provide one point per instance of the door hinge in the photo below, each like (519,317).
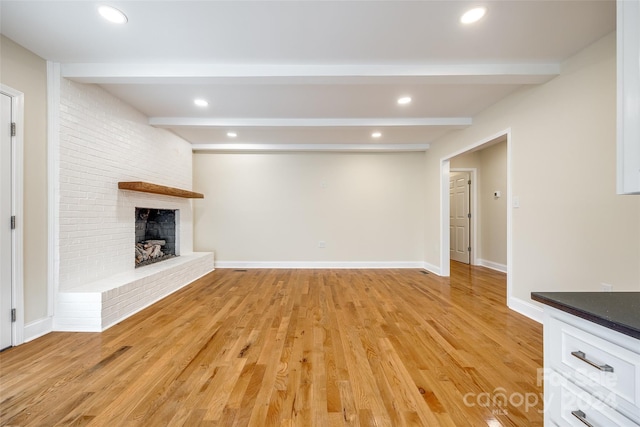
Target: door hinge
(13,129)
(469,249)
(13,222)
(469,182)
(13,315)
(469,215)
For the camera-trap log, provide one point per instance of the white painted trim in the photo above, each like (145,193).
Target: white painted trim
(17,209)
(309,147)
(86,327)
(38,328)
(445,244)
(319,264)
(492,265)
(525,308)
(310,74)
(477,144)
(53,181)
(510,276)
(308,122)
(473,176)
(431,268)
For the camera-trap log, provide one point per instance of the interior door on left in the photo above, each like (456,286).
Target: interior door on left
(6,233)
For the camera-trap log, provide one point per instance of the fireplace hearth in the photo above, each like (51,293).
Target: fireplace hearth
(156,235)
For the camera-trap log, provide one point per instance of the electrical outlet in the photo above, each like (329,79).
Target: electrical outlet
(606,287)
(322,244)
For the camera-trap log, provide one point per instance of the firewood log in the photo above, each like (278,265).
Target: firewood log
(156,252)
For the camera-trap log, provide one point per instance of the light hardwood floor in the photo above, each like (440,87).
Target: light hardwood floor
(292,348)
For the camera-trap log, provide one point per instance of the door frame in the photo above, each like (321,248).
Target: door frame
(17,182)
(473,209)
(445,165)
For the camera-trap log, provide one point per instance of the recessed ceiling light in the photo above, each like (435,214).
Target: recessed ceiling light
(232,134)
(376,134)
(473,15)
(112,14)
(404,100)
(200,102)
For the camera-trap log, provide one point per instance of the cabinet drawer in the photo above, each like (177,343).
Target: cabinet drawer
(569,403)
(602,367)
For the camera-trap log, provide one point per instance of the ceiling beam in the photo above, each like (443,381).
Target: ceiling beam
(310,147)
(309,122)
(114,73)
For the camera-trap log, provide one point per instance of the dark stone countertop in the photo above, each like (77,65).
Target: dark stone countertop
(619,311)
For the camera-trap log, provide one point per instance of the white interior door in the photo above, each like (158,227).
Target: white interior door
(459,217)
(6,253)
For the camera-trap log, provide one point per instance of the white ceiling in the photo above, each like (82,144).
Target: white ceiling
(309,74)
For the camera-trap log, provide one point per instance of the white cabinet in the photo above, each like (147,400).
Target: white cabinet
(591,375)
(628,114)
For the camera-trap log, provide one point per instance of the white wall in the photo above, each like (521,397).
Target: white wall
(493,222)
(572,231)
(104,141)
(275,208)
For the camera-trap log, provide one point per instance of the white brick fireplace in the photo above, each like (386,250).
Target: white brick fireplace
(104,141)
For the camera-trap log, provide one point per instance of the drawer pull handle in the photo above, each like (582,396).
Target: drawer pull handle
(580,355)
(582,417)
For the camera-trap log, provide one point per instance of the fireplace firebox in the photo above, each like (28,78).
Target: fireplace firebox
(157,238)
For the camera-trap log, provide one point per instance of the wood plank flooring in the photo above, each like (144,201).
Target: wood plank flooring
(292,348)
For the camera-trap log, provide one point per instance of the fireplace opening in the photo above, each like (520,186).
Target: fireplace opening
(156,235)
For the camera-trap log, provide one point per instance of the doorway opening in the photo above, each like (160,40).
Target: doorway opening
(490,243)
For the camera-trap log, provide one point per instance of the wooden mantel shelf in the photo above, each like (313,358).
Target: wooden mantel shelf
(146,187)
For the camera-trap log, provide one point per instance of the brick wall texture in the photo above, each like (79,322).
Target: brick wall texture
(103,141)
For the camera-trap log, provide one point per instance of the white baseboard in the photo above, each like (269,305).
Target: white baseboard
(492,265)
(38,328)
(318,264)
(431,268)
(526,308)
